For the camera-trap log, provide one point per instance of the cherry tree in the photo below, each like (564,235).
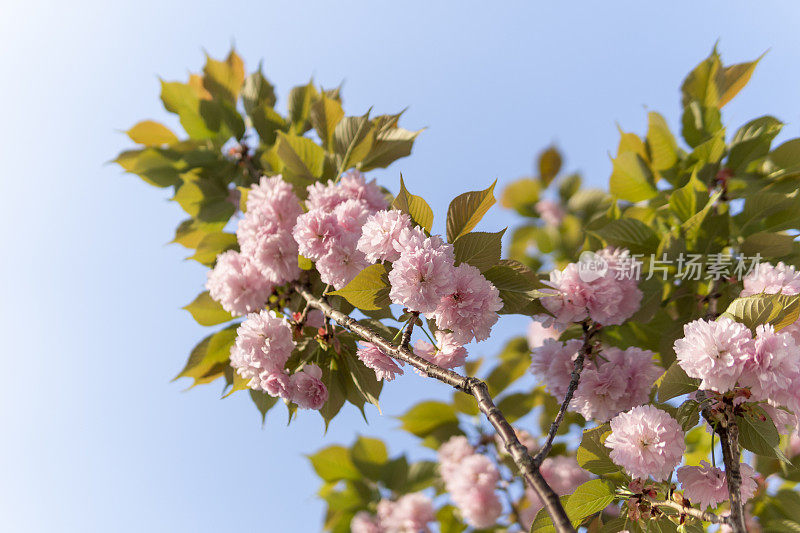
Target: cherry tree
(664,313)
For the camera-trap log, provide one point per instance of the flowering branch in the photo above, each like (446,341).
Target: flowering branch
(473,386)
(589,331)
(689,511)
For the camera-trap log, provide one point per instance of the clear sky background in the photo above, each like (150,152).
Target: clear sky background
(95,437)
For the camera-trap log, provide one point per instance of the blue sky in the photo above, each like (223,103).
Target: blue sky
(95,436)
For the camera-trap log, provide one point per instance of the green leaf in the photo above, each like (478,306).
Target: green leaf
(517,284)
(522,196)
(417,208)
(352,140)
(549,165)
(421,475)
(424,418)
(630,233)
(263,402)
(224,79)
(388,147)
(516,405)
(701,83)
(325,115)
(631,179)
(675,383)
(768,244)
(333,464)
(206,311)
(660,142)
(369,456)
(787,155)
(200,118)
(302,157)
(190,233)
(204,198)
(757,432)
(257,92)
(156,166)
(479,249)
(466,210)
(733,78)
(209,353)
(592,455)
(300,100)
(688,414)
(752,141)
(267,123)
(588,499)
(212,245)
(686,200)
(369,290)
(514,363)
(778,309)
(150,133)
(700,123)
(543,523)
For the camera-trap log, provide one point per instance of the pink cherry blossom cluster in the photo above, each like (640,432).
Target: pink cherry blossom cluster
(262,347)
(329,232)
(606,299)
(563,475)
(614,381)
(471,479)
(410,513)
(724,354)
(242,281)
(707,485)
(646,441)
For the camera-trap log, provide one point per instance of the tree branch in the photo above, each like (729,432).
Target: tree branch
(689,511)
(589,330)
(729,442)
(477,388)
(406,338)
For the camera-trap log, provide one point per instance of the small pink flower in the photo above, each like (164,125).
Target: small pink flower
(380,233)
(262,347)
(274,199)
(275,255)
(278,384)
(410,513)
(237,284)
(355,186)
(422,276)
(769,279)
(646,441)
(538,332)
(450,354)
(384,366)
(308,391)
(703,484)
(363,522)
(553,362)
(342,263)
(551,212)
(316,232)
(772,367)
(469,309)
(714,351)
(351,215)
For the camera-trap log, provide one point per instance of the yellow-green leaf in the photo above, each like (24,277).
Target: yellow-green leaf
(151,133)
(419,210)
(206,311)
(369,290)
(466,210)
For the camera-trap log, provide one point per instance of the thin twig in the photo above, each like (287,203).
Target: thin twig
(470,385)
(689,511)
(406,338)
(588,332)
(729,442)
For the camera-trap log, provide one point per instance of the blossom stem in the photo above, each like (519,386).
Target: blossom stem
(689,511)
(406,338)
(473,386)
(589,331)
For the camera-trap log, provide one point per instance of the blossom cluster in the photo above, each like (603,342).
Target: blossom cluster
(708,486)
(343,227)
(471,479)
(411,513)
(577,293)
(614,381)
(724,354)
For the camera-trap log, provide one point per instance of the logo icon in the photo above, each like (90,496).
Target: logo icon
(591,267)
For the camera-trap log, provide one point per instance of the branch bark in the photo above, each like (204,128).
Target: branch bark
(728,433)
(473,386)
(588,332)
